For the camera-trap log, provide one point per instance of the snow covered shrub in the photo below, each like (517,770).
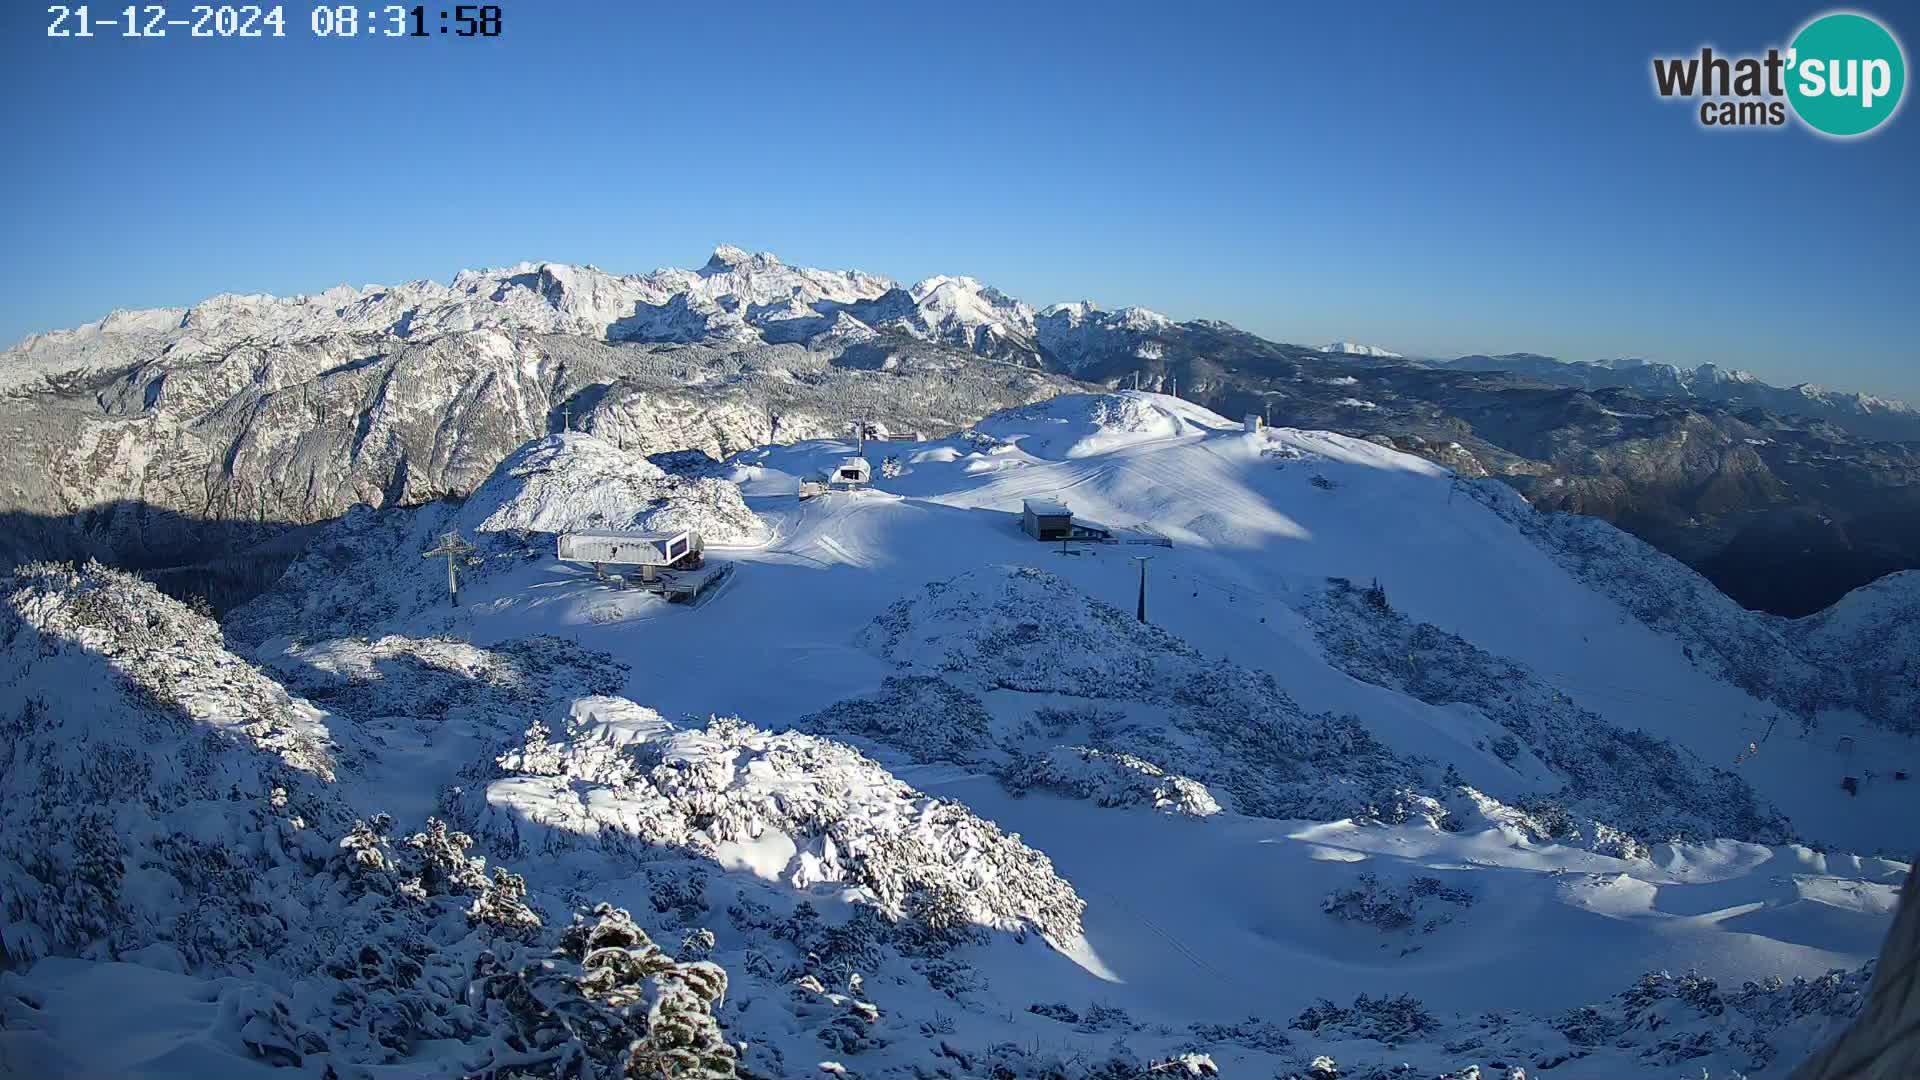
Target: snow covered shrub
(608,1002)
(434,948)
(621,775)
(1390,1020)
(137,746)
(1663,1019)
(1109,779)
(1055,723)
(435,680)
(1253,1033)
(1621,788)
(178,805)
(502,905)
(1233,729)
(1420,904)
(444,867)
(927,717)
(1012,1061)
(678,888)
(1187,1064)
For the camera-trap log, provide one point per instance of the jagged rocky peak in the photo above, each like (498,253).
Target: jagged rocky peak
(727,257)
(736,298)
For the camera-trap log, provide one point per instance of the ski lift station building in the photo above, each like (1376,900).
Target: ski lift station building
(673,565)
(649,551)
(851,472)
(1047,519)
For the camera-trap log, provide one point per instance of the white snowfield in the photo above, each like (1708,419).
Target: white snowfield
(1470,773)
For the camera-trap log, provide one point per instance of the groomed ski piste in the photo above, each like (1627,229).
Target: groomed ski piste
(1387,780)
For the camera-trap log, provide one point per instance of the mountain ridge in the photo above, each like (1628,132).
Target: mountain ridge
(137,437)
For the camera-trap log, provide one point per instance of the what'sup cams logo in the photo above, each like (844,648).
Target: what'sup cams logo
(1843,75)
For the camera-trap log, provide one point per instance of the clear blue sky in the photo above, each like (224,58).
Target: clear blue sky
(1436,178)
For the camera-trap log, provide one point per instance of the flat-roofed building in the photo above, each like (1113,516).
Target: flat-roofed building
(1047,519)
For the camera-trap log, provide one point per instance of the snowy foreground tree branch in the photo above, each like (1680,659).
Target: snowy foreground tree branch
(1884,1042)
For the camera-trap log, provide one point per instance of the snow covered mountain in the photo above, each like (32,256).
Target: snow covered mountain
(197,444)
(154,438)
(735,298)
(1863,414)
(1398,771)
(1350,348)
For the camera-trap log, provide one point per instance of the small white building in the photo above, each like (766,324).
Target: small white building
(1254,423)
(851,473)
(1046,519)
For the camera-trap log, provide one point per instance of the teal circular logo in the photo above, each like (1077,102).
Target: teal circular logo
(1846,74)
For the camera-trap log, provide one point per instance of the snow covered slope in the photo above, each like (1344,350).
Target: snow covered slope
(1397,772)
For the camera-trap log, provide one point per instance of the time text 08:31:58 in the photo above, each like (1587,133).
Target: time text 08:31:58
(263,21)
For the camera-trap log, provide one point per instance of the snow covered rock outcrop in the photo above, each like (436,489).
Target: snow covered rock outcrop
(790,806)
(569,481)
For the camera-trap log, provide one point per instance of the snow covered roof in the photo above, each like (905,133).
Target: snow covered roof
(623,534)
(1048,508)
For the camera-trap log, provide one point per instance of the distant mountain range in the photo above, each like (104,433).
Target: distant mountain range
(158,438)
(1861,414)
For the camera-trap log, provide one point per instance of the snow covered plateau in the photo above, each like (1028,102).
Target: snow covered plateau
(1398,778)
